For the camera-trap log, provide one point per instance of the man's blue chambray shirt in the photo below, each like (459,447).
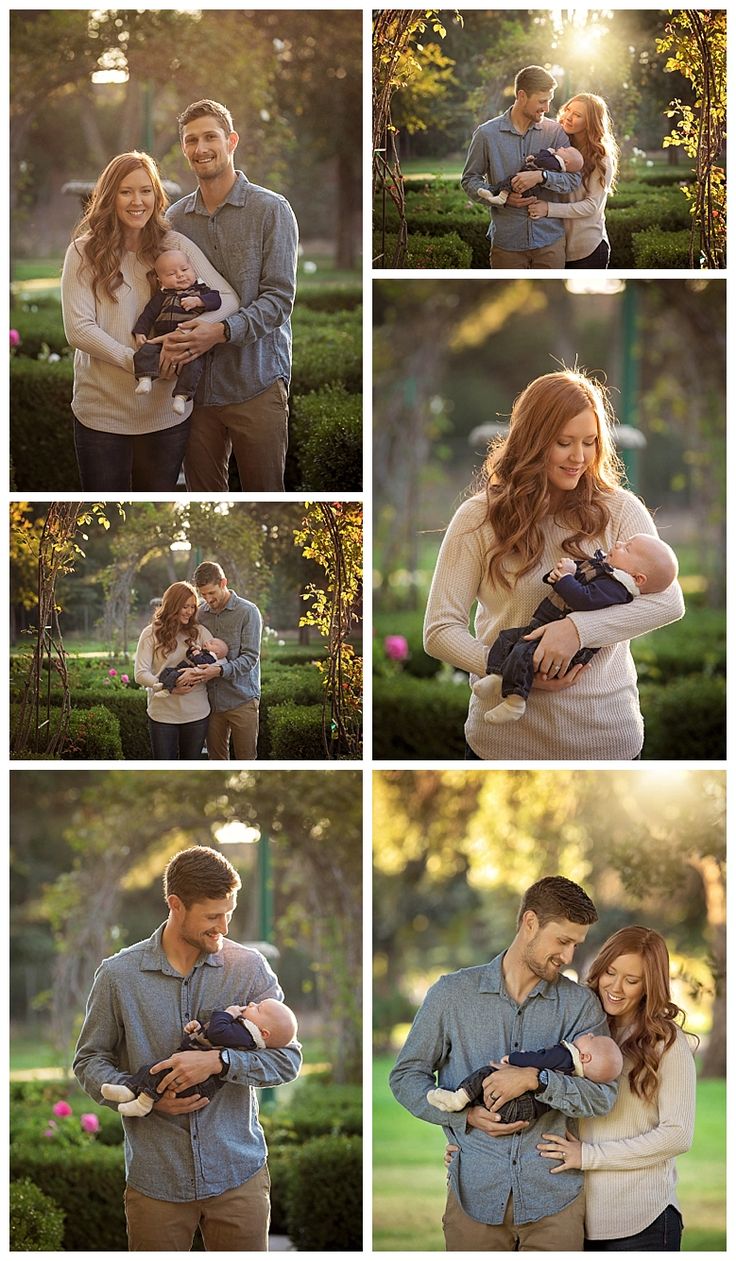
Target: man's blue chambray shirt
(252,241)
(468,1019)
(497,151)
(240,625)
(136,1013)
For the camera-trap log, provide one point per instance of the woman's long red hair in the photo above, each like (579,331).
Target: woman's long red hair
(654,1025)
(597,143)
(166,623)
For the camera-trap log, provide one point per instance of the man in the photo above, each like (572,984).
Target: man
(501,1197)
(497,152)
(191,1162)
(233,687)
(250,235)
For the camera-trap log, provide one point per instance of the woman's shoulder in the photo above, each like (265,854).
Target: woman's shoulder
(680,1054)
(625,504)
(471,514)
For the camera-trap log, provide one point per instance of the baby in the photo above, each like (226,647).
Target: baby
(563,159)
(212,652)
(596,1058)
(250,1028)
(181,294)
(641,564)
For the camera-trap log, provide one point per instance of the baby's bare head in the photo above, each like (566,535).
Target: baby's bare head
(174,270)
(572,158)
(650,561)
(600,1057)
(217,646)
(275,1020)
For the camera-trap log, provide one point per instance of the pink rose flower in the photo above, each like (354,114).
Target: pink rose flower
(61,1109)
(124,678)
(112,674)
(396,647)
(14,337)
(90,1122)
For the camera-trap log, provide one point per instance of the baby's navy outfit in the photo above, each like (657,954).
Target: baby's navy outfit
(594,585)
(526,1107)
(542,161)
(169,676)
(221,1029)
(163,314)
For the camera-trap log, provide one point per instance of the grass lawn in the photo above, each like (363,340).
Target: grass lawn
(408,1154)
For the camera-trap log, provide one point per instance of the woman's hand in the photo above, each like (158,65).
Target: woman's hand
(558,643)
(450,1150)
(525,180)
(541,684)
(538,209)
(568,1149)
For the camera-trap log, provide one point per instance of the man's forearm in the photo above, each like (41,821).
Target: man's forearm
(578,1097)
(271,1067)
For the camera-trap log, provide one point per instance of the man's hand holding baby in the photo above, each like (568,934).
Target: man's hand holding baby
(188,1068)
(506,1083)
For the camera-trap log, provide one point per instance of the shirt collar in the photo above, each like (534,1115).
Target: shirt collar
(492,982)
(507,125)
(154,957)
(236,196)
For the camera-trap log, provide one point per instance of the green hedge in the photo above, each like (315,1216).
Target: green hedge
(41,433)
(93,733)
(667,210)
(295,731)
(326,449)
(324,1195)
(39,328)
(36,1222)
(685,720)
(329,298)
(87,1183)
(328,350)
(444,251)
(655,248)
(417,718)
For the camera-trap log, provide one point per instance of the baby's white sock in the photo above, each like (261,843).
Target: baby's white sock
(448,1100)
(180,404)
(140,1107)
(143,386)
(508,711)
(119,1094)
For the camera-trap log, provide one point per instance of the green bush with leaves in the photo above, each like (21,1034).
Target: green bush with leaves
(41,442)
(324,1195)
(685,720)
(418,718)
(87,1183)
(296,732)
(654,248)
(442,251)
(93,733)
(36,1221)
(328,350)
(41,331)
(327,440)
(666,210)
(330,298)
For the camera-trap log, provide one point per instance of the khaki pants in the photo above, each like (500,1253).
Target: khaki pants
(243,724)
(559,1232)
(257,431)
(547,257)
(236,1221)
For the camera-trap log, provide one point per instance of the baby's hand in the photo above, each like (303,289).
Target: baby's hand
(504,1059)
(564,566)
(192,304)
(192,1027)
(140,339)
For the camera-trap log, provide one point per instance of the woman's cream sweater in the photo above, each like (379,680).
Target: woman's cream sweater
(101,330)
(149,662)
(584,215)
(629,1155)
(598,717)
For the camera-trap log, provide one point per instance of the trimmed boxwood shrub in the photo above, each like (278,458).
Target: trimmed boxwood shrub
(328,349)
(685,720)
(418,718)
(41,440)
(327,440)
(295,731)
(324,1195)
(37,328)
(36,1222)
(93,733)
(666,210)
(330,297)
(87,1183)
(442,251)
(298,684)
(655,248)
(129,708)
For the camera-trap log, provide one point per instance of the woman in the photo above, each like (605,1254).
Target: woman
(629,1155)
(586,120)
(177,721)
(552,487)
(124,440)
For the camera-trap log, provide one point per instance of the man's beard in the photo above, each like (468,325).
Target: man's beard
(204,943)
(211,171)
(545,971)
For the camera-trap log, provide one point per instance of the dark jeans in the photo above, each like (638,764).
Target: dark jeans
(116,461)
(661,1235)
(144,1081)
(178,741)
(599,258)
(511,655)
(146,364)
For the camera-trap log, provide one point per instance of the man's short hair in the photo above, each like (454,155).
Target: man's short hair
(556,897)
(199,874)
(207,573)
(203,109)
(534,79)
